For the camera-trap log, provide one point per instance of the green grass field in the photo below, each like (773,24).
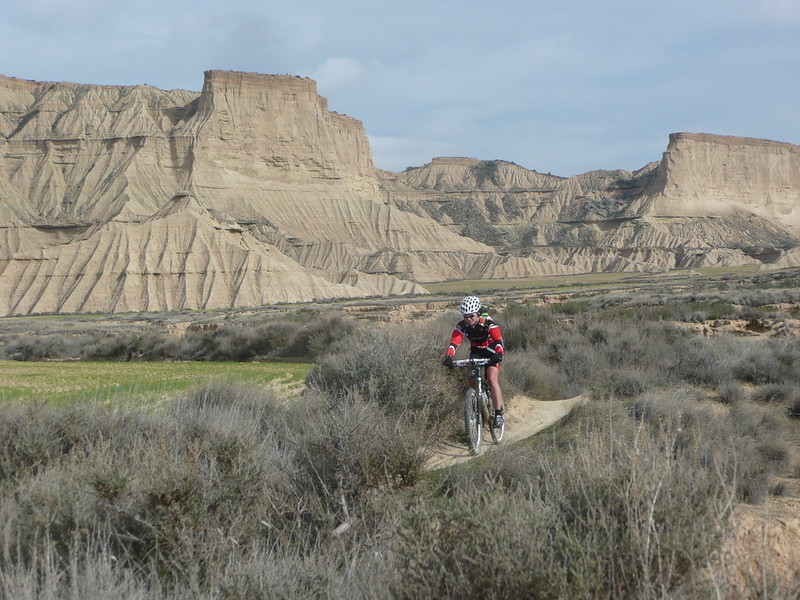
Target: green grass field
(142,382)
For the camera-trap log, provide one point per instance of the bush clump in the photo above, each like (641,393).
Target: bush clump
(302,337)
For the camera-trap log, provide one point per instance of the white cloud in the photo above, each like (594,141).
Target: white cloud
(341,72)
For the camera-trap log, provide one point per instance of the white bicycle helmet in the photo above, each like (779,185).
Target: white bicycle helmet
(470,305)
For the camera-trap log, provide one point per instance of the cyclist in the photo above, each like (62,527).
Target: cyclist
(486,341)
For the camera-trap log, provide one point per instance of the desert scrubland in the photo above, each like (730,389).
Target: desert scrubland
(676,478)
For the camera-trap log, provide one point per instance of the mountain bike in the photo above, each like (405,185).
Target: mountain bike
(478,407)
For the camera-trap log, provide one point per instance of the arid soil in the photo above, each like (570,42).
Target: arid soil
(762,550)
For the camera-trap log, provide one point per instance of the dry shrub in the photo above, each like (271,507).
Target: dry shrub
(523,371)
(749,443)
(190,491)
(228,492)
(316,337)
(122,345)
(393,366)
(294,336)
(156,487)
(90,573)
(731,392)
(26,347)
(607,511)
(35,436)
(783,393)
(613,353)
(352,447)
(767,360)
(526,326)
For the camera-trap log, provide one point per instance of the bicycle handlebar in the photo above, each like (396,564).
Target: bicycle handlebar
(481,362)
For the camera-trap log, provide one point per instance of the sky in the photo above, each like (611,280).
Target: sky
(561,86)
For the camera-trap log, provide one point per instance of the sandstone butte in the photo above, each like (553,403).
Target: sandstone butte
(252,192)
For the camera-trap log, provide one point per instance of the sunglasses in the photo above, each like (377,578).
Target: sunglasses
(469,316)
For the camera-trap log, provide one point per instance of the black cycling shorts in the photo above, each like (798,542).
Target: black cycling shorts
(481,353)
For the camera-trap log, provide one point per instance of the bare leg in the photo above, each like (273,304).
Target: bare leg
(492,374)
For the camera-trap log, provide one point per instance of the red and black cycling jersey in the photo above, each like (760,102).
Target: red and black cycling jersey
(483,335)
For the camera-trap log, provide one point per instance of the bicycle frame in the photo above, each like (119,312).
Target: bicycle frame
(478,408)
(478,375)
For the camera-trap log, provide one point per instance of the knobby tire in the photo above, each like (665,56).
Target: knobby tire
(473,421)
(497,432)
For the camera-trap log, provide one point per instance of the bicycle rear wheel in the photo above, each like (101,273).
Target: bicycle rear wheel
(473,420)
(497,432)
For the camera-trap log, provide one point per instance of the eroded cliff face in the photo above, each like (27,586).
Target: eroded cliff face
(269,154)
(86,173)
(252,192)
(179,257)
(73,155)
(711,201)
(714,175)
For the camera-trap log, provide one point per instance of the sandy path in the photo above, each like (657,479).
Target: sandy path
(524,418)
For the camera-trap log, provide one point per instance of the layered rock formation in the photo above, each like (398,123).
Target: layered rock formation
(179,257)
(702,175)
(711,201)
(84,167)
(252,192)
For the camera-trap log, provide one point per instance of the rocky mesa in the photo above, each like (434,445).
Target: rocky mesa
(711,201)
(251,192)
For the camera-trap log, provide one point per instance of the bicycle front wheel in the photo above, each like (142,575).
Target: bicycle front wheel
(473,420)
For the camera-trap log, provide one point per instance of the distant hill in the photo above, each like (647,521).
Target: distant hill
(712,200)
(251,192)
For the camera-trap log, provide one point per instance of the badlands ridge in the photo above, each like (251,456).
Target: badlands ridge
(251,192)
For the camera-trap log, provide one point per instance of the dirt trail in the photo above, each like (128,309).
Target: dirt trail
(524,417)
